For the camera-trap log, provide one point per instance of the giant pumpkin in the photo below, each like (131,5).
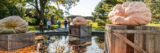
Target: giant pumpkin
(130,13)
(79,21)
(13,24)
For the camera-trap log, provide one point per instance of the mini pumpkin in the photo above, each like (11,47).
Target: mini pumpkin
(130,13)
(79,21)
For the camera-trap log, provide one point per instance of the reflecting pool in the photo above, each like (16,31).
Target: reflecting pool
(70,44)
(63,44)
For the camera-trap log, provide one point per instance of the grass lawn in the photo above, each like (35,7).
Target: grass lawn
(102,27)
(154,25)
(36,28)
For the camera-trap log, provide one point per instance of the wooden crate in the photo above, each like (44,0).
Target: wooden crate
(132,39)
(81,31)
(14,41)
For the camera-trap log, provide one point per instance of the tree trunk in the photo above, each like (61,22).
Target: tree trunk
(37,9)
(40,9)
(57,5)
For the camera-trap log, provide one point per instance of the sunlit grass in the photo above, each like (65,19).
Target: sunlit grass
(36,28)
(154,25)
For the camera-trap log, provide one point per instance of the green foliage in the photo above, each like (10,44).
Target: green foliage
(58,14)
(103,8)
(100,22)
(154,5)
(40,5)
(31,20)
(6,8)
(66,3)
(33,10)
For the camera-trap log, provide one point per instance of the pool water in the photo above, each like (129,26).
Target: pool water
(70,44)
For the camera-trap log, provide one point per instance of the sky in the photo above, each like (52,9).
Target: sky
(83,7)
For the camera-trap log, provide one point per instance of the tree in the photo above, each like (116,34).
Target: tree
(4,10)
(66,3)
(41,4)
(9,8)
(103,8)
(154,5)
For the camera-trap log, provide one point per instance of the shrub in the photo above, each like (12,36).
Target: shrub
(100,22)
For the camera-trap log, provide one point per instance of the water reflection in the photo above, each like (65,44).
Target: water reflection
(79,45)
(69,44)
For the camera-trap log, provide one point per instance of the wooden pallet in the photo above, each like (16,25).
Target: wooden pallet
(132,39)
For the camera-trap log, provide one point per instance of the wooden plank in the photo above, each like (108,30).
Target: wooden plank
(75,30)
(150,42)
(156,44)
(138,39)
(150,45)
(108,43)
(85,30)
(123,45)
(130,36)
(146,39)
(106,46)
(137,31)
(156,41)
(129,43)
(120,46)
(111,40)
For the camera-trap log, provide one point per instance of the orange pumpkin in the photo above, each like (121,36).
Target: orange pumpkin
(130,13)
(79,21)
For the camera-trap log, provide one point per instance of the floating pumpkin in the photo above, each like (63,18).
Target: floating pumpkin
(79,21)
(130,13)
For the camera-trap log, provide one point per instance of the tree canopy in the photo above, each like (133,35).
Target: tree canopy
(34,9)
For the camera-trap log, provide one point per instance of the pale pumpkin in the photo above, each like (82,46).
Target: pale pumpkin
(130,13)
(79,21)
(13,24)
